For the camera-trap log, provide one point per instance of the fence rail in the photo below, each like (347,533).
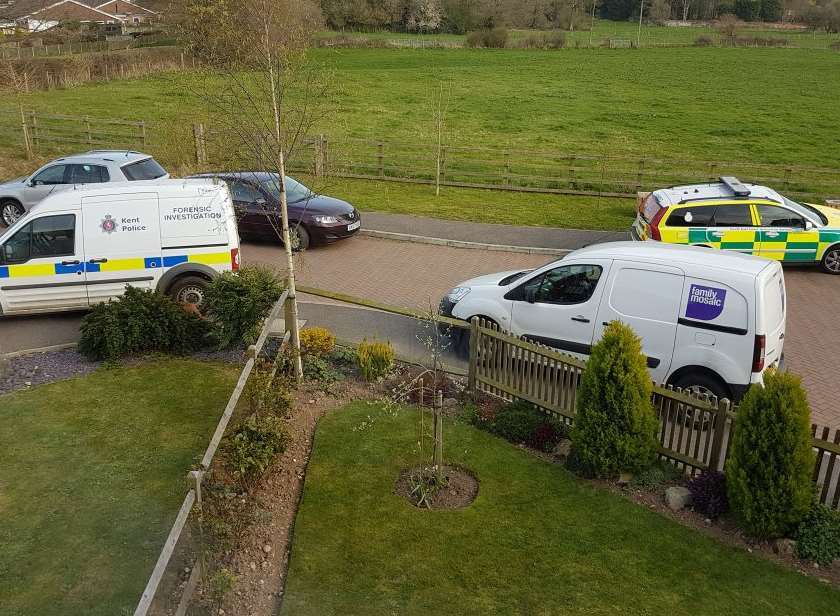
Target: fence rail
(512,169)
(693,433)
(196,477)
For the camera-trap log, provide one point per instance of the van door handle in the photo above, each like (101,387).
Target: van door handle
(580,319)
(97,260)
(76,262)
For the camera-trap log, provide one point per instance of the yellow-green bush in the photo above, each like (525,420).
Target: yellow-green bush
(375,359)
(316,341)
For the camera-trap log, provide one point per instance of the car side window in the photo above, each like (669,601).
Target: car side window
(50,236)
(50,176)
(774,216)
(691,217)
(568,284)
(240,191)
(735,215)
(88,174)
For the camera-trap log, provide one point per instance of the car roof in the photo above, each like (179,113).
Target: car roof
(712,192)
(71,199)
(675,254)
(247,175)
(120,157)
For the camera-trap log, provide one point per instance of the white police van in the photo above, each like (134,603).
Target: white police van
(710,322)
(80,247)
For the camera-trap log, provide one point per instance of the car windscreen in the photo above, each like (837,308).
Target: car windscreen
(146,169)
(807,211)
(295,191)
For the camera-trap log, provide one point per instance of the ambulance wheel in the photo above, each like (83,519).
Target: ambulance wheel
(701,384)
(10,212)
(189,291)
(831,260)
(299,237)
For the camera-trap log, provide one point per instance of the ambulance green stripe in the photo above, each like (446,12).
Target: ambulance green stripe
(737,245)
(802,246)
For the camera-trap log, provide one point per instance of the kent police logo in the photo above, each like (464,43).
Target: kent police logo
(108,225)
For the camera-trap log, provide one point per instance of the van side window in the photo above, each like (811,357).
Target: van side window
(735,215)
(568,284)
(773,216)
(691,217)
(50,236)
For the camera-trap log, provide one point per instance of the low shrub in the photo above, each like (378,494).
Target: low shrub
(493,38)
(708,494)
(317,341)
(318,369)
(238,303)
(267,394)
(140,321)
(375,359)
(521,422)
(615,427)
(655,475)
(818,535)
(758,41)
(253,446)
(543,40)
(704,41)
(835,46)
(768,474)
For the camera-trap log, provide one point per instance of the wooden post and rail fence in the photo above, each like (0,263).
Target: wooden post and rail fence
(201,147)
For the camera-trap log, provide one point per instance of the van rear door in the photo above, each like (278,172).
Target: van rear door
(770,315)
(122,243)
(646,297)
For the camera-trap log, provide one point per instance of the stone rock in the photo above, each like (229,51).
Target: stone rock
(253,566)
(677,498)
(562,449)
(449,403)
(786,547)
(625,479)
(266,548)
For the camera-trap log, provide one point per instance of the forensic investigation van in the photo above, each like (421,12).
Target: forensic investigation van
(82,246)
(710,322)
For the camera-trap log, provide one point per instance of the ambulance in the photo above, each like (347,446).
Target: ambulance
(83,246)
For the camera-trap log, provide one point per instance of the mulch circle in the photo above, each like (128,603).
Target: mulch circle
(459,491)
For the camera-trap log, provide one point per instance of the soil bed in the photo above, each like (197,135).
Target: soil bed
(459,491)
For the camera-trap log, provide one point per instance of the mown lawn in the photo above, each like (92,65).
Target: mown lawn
(93,473)
(535,541)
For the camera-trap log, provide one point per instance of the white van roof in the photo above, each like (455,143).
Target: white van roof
(676,254)
(72,198)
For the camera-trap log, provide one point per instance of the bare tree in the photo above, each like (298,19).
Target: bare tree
(262,92)
(444,94)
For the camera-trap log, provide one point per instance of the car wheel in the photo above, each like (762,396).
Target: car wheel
(831,260)
(299,237)
(10,212)
(190,292)
(700,384)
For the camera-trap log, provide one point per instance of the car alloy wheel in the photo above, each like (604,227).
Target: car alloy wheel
(11,213)
(831,261)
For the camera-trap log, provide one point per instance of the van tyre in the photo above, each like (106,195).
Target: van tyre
(698,383)
(831,260)
(299,237)
(10,212)
(190,292)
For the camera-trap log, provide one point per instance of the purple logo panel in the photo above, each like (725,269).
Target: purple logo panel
(705,303)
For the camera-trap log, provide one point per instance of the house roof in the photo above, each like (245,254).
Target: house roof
(27,8)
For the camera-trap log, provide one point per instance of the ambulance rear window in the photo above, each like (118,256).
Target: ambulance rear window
(650,208)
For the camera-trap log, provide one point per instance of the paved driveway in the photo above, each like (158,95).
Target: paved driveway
(416,275)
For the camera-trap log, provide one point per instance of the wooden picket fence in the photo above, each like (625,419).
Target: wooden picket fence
(693,434)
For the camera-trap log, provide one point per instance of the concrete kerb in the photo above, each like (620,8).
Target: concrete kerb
(439,241)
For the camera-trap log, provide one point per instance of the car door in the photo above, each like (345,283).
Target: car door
(558,307)
(252,209)
(784,235)
(44,183)
(122,244)
(41,266)
(646,297)
(732,228)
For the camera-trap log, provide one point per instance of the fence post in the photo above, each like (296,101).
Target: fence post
(472,372)
(35,140)
(87,128)
(572,179)
(198,137)
(143,133)
(715,455)
(320,156)
(507,168)
(380,158)
(26,143)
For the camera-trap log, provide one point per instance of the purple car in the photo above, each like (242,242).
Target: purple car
(313,219)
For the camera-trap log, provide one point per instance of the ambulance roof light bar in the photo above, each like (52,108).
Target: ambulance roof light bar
(735,185)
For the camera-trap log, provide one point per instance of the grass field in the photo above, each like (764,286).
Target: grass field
(535,541)
(93,475)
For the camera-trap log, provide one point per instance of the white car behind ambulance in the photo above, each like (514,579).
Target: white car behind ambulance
(710,322)
(80,247)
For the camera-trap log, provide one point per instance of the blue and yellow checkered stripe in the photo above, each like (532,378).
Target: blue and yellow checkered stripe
(112,265)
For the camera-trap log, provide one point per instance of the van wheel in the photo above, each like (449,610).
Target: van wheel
(10,212)
(831,260)
(299,237)
(190,292)
(700,384)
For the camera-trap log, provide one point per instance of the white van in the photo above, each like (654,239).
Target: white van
(709,321)
(80,247)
